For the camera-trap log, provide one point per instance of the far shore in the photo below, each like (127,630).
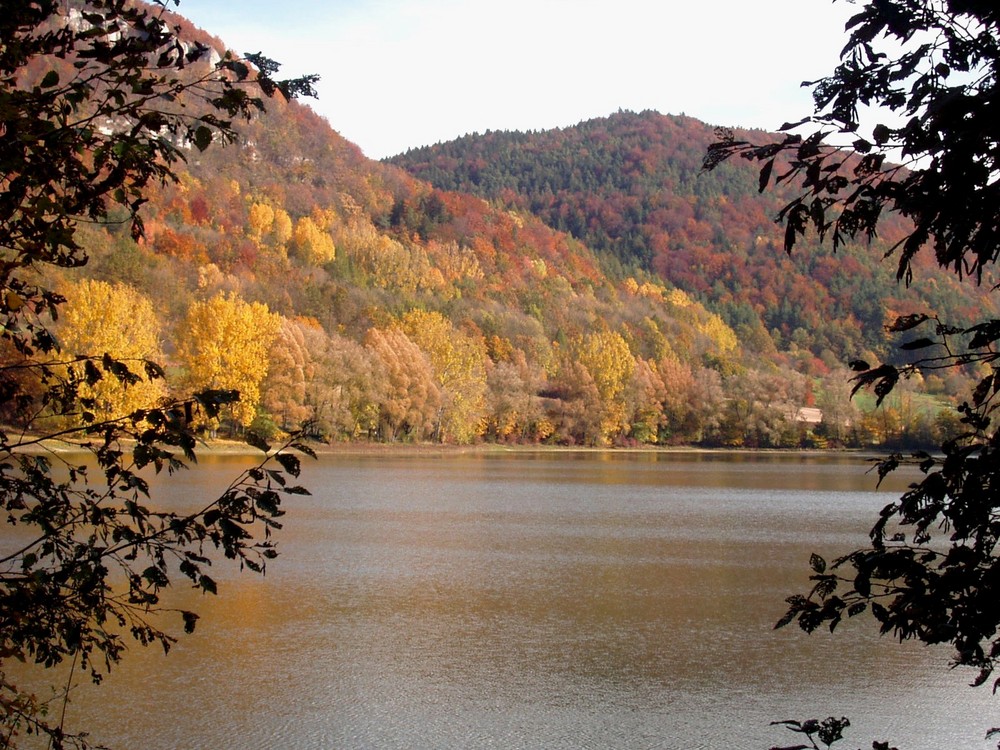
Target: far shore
(222,447)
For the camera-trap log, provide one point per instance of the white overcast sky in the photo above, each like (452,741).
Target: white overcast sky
(404,73)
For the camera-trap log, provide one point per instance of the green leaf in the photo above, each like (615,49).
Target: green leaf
(51,79)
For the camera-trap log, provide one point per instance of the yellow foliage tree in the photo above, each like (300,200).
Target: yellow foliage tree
(459,363)
(260,219)
(113,319)
(608,359)
(225,343)
(721,335)
(282,227)
(312,244)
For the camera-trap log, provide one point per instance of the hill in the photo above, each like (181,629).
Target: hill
(360,299)
(631,187)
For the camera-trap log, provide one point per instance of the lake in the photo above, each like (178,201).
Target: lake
(536,600)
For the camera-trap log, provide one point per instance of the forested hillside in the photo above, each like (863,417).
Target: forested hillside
(631,187)
(348,295)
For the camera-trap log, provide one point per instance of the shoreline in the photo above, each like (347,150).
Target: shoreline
(236,448)
(239,448)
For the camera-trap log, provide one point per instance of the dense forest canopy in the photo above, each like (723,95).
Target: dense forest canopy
(631,187)
(600,289)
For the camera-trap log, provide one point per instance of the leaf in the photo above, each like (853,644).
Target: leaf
(817,563)
(921,343)
(906,322)
(982,390)
(154,371)
(765,175)
(290,463)
(51,79)
(208,585)
(881,133)
(792,125)
(91,373)
(257,441)
(984,334)
(268,502)
(786,619)
(885,385)
(202,137)
(863,585)
(190,619)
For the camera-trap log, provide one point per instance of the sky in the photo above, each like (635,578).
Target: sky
(399,74)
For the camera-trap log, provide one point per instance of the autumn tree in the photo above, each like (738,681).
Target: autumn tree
(99,103)
(320,382)
(514,410)
(575,405)
(225,344)
(760,409)
(907,124)
(114,320)
(460,366)
(312,243)
(694,401)
(645,397)
(607,358)
(409,399)
(291,368)
(346,400)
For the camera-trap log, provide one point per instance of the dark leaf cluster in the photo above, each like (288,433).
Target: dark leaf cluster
(930,71)
(100,101)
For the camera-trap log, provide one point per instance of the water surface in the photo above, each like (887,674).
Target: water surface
(549,600)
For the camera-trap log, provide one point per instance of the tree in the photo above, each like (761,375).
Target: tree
(312,244)
(606,356)
(226,345)
(409,400)
(291,368)
(116,320)
(927,72)
(100,100)
(459,363)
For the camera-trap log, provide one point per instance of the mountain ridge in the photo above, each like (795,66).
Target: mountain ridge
(408,312)
(631,186)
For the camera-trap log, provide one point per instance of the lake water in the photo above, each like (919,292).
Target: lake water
(536,600)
